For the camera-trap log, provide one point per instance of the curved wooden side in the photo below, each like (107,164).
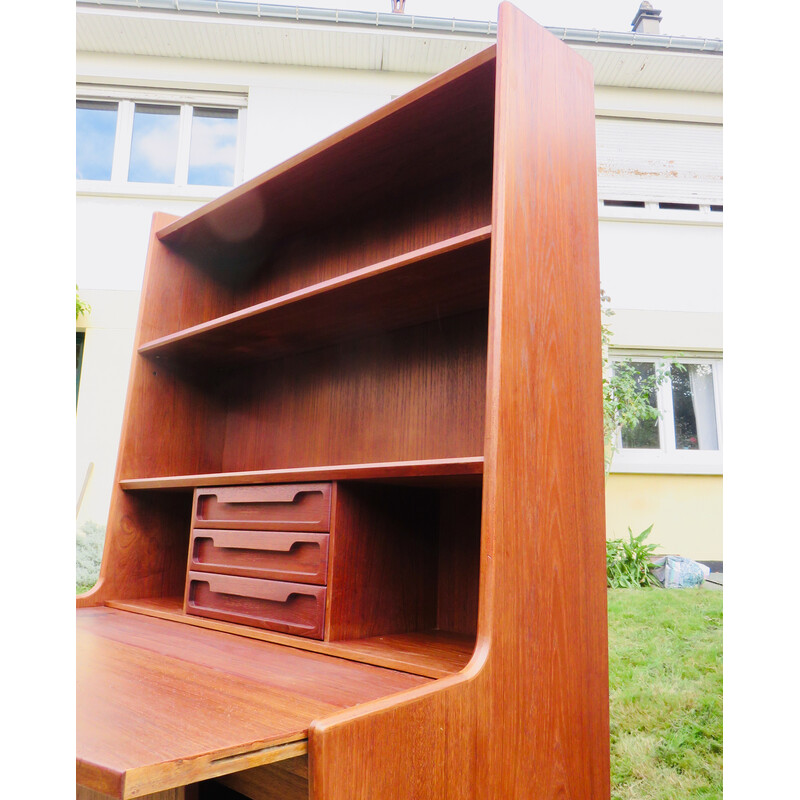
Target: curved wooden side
(147,539)
(528,717)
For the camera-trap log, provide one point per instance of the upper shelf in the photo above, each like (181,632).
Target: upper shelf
(449,277)
(443,127)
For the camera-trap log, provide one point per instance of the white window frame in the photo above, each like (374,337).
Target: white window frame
(126,99)
(668,459)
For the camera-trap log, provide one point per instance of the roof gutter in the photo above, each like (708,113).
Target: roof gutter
(378,19)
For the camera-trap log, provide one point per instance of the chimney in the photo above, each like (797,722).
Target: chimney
(646,19)
(398,6)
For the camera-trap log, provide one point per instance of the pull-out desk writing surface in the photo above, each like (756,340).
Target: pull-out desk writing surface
(162,704)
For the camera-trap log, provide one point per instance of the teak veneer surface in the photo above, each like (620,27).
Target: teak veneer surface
(448,471)
(528,718)
(285,780)
(433,654)
(437,281)
(506,394)
(162,704)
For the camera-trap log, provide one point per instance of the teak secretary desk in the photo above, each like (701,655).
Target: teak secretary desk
(356,542)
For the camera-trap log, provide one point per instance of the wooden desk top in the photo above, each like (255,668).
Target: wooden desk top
(161,704)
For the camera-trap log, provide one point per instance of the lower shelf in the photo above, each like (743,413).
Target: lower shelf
(433,654)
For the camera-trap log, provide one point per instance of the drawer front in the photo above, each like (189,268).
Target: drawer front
(293,608)
(281,507)
(278,555)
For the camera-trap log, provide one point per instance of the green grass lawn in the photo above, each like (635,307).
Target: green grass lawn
(665,660)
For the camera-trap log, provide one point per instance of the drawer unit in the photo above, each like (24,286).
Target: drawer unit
(278,555)
(294,608)
(258,556)
(281,507)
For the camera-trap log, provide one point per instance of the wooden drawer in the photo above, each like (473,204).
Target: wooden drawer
(294,608)
(287,507)
(278,555)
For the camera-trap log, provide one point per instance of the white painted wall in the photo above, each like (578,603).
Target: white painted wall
(662,267)
(664,277)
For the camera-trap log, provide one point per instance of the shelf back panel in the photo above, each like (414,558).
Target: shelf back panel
(411,394)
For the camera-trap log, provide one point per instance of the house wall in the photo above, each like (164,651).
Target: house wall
(685,511)
(662,270)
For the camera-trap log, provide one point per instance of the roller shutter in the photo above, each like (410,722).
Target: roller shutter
(675,162)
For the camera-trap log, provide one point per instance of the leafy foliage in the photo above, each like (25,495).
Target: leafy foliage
(81,306)
(626,392)
(628,564)
(88,554)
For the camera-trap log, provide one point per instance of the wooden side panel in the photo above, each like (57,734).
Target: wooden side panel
(147,540)
(144,536)
(165,410)
(528,718)
(547,698)
(383,564)
(459,560)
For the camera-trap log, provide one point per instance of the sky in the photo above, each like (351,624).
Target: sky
(701,18)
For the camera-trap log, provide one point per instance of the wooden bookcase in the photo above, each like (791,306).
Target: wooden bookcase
(361,465)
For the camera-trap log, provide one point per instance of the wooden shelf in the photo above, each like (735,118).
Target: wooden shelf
(446,471)
(431,654)
(442,128)
(441,280)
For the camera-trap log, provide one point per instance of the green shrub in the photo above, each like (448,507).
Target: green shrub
(629,564)
(81,306)
(88,554)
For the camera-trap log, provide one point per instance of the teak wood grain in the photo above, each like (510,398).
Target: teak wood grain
(285,780)
(458,421)
(528,717)
(439,471)
(295,608)
(162,704)
(439,280)
(178,793)
(407,395)
(431,654)
(279,555)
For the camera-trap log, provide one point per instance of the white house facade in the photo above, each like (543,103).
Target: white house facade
(179,100)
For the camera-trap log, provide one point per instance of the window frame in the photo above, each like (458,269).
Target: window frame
(126,98)
(668,459)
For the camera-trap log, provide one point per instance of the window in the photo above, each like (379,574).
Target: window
(687,437)
(157,138)
(154,144)
(96,128)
